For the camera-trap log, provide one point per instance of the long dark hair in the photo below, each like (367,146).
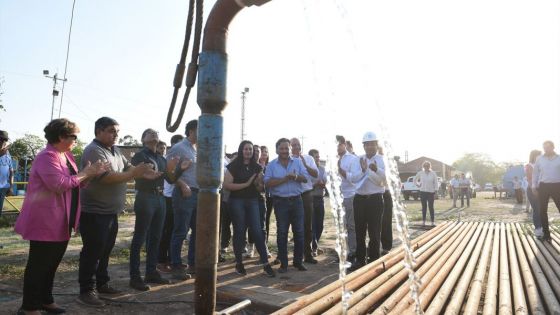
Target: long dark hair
(238,162)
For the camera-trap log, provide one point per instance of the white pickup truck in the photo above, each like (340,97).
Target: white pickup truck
(409,189)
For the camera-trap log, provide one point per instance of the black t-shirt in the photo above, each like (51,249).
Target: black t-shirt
(241,174)
(74,201)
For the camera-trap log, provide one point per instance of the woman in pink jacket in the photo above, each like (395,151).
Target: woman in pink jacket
(49,213)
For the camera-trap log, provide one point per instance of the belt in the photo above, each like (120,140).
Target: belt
(158,191)
(287,198)
(367,196)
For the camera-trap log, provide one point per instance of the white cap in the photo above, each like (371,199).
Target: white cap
(369,136)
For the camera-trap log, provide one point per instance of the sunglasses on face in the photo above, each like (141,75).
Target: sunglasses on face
(73,137)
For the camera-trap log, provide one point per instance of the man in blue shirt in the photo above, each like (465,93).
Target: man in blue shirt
(6,170)
(283,178)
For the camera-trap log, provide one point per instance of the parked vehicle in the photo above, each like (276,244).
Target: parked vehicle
(488,187)
(409,189)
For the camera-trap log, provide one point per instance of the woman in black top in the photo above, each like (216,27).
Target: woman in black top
(244,178)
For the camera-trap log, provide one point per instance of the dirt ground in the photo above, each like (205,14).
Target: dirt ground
(177,298)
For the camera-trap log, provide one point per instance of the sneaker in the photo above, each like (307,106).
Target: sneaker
(283,269)
(268,271)
(90,298)
(138,284)
(221,258)
(240,269)
(156,278)
(178,273)
(251,252)
(107,289)
(223,250)
(191,270)
(310,260)
(539,232)
(163,268)
(276,261)
(300,267)
(314,253)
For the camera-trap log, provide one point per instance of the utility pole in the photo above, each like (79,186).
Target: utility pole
(55,79)
(243,98)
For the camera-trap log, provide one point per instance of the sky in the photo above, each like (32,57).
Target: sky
(433,78)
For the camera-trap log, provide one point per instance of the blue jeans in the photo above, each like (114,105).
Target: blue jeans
(534,201)
(183,218)
(262,216)
(150,215)
(244,213)
(3,192)
(318,218)
(289,211)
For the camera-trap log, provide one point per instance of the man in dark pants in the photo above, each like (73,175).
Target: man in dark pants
(310,172)
(387,223)
(368,202)
(101,202)
(283,177)
(318,202)
(546,183)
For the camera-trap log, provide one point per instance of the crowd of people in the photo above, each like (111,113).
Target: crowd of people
(64,197)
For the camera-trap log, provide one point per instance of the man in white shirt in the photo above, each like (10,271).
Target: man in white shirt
(465,188)
(426,179)
(311,172)
(546,183)
(368,201)
(348,167)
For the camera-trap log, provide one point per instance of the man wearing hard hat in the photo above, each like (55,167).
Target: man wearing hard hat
(368,201)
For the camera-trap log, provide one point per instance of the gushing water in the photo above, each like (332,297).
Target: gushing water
(338,213)
(394,183)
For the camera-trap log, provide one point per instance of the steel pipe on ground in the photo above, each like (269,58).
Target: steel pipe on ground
(381,286)
(535,303)
(429,288)
(547,293)
(437,259)
(456,302)
(477,285)
(319,300)
(491,294)
(519,303)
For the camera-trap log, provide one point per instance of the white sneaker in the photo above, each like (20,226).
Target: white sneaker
(252,251)
(539,232)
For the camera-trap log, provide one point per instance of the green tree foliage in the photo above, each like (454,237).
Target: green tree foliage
(78,150)
(483,169)
(28,147)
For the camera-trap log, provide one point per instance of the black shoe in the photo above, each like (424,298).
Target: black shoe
(53,310)
(179,273)
(156,278)
(221,258)
(276,261)
(300,267)
(240,269)
(107,289)
(283,269)
(268,271)
(310,260)
(356,265)
(138,284)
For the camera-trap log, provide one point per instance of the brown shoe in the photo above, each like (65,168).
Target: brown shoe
(90,298)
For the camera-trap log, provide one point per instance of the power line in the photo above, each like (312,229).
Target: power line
(67,54)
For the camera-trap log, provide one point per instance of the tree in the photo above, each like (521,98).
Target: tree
(28,147)
(78,151)
(128,140)
(483,169)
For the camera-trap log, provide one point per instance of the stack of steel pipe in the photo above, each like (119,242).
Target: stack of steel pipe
(464,267)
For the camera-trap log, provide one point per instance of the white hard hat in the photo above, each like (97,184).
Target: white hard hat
(369,136)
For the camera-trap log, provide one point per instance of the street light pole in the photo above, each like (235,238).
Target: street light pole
(55,79)
(243,97)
